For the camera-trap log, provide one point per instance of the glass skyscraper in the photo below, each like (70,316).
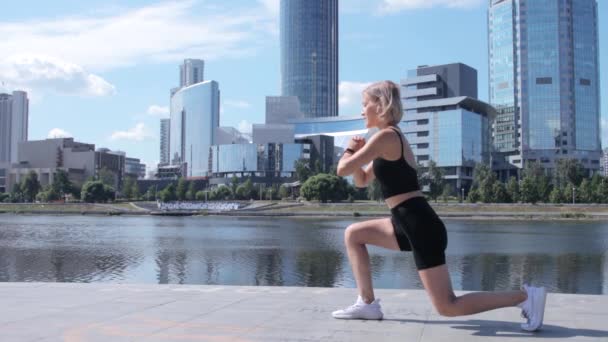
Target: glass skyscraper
(544,82)
(309,55)
(195,115)
(14,115)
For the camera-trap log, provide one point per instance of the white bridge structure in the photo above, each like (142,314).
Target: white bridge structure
(214,206)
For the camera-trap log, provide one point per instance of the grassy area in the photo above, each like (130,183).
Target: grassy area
(46,207)
(374,207)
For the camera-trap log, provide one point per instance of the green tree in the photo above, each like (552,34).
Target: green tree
(221,193)
(48,194)
(107,177)
(568,171)
(191,193)
(529,190)
(602,192)
(97,192)
(16,193)
(246,190)
(434,180)
(596,188)
(473,196)
(284,192)
(557,196)
(446,193)
(182,187)
(4,197)
(535,184)
(303,171)
(500,193)
(128,188)
(585,191)
(569,190)
(513,189)
(168,194)
(61,183)
(30,186)
(326,187)
(482,186)
(135,190)
(234,184)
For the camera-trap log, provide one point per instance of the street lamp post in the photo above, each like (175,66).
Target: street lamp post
(462,197)
(573,196)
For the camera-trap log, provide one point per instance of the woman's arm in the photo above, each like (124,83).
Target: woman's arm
(363,177)
(352,163)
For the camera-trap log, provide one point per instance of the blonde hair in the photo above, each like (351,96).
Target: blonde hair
(388,96)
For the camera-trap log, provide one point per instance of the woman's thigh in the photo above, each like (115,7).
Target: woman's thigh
(378,232)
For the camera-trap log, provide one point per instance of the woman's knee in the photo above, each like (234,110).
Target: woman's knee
(351,234)
(447,308)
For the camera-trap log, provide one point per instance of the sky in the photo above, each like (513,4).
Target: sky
(101,71)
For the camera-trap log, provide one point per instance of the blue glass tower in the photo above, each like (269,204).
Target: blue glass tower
(309,55)
(544,81)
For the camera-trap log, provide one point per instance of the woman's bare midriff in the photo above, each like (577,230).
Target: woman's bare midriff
(394,201)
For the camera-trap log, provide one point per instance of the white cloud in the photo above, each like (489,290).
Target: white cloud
(157,110)
(391,6)
(43,74)
(59,133)
(273,6)
(349,96)
(167,31)
(245,127)
(137,133)
(237,104)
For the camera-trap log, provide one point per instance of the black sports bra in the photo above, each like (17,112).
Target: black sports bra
(395,176)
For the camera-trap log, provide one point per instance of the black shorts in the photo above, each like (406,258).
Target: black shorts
(419,229)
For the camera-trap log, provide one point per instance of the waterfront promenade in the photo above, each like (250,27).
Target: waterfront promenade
(132,312)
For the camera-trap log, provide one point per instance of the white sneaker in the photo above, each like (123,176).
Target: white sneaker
(360,310)
(533,309)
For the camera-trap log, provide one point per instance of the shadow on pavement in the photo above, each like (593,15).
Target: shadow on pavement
(508,329)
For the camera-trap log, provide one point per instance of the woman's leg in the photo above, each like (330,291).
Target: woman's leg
(375,232)
(438,285)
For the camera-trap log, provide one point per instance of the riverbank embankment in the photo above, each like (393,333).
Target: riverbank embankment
(357,209)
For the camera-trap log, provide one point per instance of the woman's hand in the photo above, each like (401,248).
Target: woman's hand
(356,143)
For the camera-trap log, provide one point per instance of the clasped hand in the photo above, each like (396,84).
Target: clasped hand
(356,143)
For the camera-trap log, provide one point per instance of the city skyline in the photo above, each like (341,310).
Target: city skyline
(115,97)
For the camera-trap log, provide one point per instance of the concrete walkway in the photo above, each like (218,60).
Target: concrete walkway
(108,312)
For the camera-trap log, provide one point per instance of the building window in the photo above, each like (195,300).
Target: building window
(423,134)
(423,157)
(423,145)
(544,80)
(585,82)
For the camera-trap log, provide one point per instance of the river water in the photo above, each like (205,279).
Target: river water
(564,256)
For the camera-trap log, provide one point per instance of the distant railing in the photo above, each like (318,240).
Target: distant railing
(215,206)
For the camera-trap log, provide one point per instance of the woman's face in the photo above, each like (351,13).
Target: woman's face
(370,111)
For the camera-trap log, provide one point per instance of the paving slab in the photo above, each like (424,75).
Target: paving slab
(79,312)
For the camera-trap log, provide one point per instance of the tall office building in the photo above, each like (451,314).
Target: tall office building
(544,82)
(195,116)
(445,122)
(14,113)
(309,55)
(191,72)
(165,127)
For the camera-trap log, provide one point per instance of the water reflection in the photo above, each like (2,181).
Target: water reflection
(564,256)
